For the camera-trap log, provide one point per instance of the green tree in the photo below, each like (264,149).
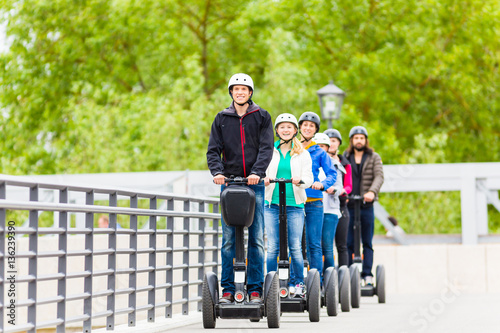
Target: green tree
(124,85)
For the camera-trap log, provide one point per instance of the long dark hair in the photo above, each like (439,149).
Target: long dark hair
(368,149)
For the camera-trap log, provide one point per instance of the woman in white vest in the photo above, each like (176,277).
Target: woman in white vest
(290,161)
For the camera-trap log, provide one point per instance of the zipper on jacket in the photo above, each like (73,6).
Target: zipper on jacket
(243,141)
(242,137)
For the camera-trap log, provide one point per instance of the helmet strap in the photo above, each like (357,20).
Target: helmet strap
(283,142)
(249,100)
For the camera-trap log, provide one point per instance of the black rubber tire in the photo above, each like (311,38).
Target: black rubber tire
(273,305)
(332,294)
(355,287)
(208,309)
(345,290)
(314,298)
(380,286)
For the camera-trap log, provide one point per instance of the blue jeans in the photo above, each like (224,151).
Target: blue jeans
(314,228)
(255,252)
(330,222)
(367,228)
(295,221)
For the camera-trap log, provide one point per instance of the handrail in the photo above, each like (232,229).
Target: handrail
(127,274)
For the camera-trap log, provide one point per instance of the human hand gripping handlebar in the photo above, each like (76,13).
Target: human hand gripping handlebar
(356,197)
(238,181)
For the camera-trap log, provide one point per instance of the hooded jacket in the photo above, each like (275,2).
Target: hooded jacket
(240,146)
(320,159)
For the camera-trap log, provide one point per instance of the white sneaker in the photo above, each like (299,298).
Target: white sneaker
(299,290)
(368,280)
(291,290)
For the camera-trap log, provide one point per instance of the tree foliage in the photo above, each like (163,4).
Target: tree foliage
(124,85)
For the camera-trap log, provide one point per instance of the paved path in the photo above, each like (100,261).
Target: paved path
(447,312)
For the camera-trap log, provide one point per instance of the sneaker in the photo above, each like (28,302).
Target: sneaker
(369,280)
(299,290)
(255,297)
(227,298)
(291,290)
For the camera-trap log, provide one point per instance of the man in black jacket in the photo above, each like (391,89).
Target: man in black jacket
(241,144)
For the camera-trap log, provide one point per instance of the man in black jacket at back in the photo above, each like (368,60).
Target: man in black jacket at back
(241,144)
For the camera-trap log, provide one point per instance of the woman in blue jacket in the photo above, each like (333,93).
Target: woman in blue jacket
(309,124)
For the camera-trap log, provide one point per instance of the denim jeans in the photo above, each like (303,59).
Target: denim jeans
(255,252)
(295,222)
(330,222)
(367,228)
(314,228)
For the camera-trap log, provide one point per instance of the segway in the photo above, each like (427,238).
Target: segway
(311,301)
(338,291)
(368,290)
(238,207)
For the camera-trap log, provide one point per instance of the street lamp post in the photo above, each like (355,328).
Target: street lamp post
(331,98)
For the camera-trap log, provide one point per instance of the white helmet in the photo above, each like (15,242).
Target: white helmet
(321,139)
(240,79)
(286,118)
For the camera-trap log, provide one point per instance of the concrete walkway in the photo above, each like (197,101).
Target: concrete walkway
(444,312)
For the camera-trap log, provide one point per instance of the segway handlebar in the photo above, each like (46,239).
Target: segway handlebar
(283,180)
(237,181)
(356,197)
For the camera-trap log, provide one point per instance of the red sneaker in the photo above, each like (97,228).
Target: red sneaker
(227,298)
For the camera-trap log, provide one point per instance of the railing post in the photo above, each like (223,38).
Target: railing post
(170,260)
(62,262)
(32,261)
(468,205)
(132,297)
(215,240)
(110,320)
(3,224)
(481,207)
(152,261)
(185,260)
(201,254)
(89,266)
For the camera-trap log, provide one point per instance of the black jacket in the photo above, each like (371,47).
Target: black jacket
(344,161)
(241,146)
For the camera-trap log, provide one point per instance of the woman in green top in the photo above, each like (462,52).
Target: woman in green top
(290,161)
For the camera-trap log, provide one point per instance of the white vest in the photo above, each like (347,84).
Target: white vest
(301,166)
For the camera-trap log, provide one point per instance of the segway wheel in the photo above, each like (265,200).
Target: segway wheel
(273,307)
(345,289)
(355,287)
(332,294)
(314,296)
(380,286)
(208,307)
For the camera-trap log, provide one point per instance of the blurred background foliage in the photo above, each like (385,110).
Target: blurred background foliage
(122,85)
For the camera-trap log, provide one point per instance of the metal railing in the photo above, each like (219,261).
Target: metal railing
(185,233)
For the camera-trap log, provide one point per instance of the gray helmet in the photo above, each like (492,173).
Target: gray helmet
(310,116)
(333,133)
(358,130)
